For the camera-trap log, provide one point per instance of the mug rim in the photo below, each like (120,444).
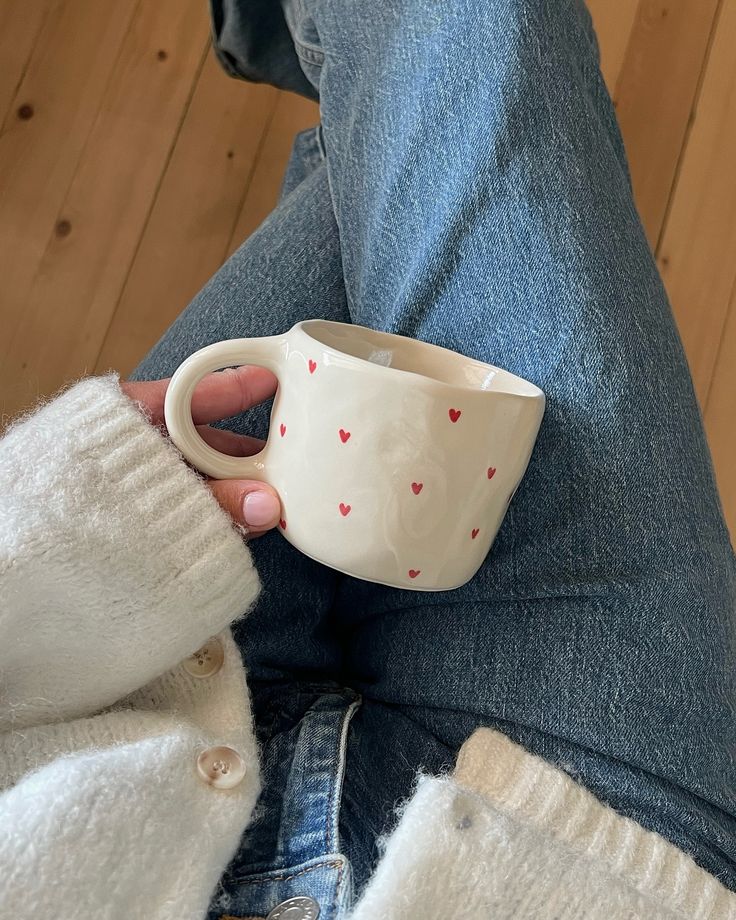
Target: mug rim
(521,387)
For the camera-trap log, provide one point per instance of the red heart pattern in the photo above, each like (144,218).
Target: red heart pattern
(416,487)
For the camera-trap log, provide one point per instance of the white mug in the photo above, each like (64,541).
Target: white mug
(394,460)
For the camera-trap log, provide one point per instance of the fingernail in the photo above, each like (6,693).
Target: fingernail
(261,508)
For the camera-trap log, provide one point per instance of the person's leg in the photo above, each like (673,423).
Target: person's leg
(483,203)
(480,192)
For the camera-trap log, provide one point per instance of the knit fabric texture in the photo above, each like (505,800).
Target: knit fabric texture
(115,565)
(510,836)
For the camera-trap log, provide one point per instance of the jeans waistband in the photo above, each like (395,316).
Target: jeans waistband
(291,847)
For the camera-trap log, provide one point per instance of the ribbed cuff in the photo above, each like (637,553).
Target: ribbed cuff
(540,796)
(120,563)
(201,556)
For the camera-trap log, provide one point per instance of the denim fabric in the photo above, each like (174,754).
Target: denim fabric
(252,41)
(468,187)
(291,845)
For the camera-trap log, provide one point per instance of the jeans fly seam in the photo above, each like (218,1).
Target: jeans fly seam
(333,804)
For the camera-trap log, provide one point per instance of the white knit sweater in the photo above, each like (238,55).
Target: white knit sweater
(116,564)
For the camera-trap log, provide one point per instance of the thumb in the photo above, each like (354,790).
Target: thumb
(253,505)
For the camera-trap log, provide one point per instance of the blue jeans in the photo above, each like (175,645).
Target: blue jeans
(468,187)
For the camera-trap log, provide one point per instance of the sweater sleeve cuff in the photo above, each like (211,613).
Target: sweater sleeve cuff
(197,555)
(118,560)
(509,835)
(548,802)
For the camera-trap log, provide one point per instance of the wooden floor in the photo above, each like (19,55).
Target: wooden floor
(130,167)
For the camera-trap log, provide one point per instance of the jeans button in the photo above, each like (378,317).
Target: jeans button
(295,909)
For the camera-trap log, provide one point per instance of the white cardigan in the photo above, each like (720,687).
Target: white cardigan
(116,564)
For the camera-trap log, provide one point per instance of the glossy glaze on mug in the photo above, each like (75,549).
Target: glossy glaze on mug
(394,460)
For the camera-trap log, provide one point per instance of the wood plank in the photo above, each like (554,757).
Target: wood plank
(87,259)
(696,255)
(655,96)
(58,99)
(20,23)
(720,415)
(613,23)
(198,203)
(292,114)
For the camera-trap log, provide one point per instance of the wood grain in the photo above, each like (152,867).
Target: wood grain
(655,95)
(292,114)
(101,218)
(697,255)
(198,203)
(20,23)
(614,23)
(59,97)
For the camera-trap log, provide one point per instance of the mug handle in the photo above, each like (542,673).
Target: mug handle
(265,352)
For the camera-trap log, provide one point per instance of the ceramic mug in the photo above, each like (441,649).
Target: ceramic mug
(394,460)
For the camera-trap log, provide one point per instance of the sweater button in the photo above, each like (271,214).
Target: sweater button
(295,909)
(206,661)
(221,767)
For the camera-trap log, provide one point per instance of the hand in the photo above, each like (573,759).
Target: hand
(252,505)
